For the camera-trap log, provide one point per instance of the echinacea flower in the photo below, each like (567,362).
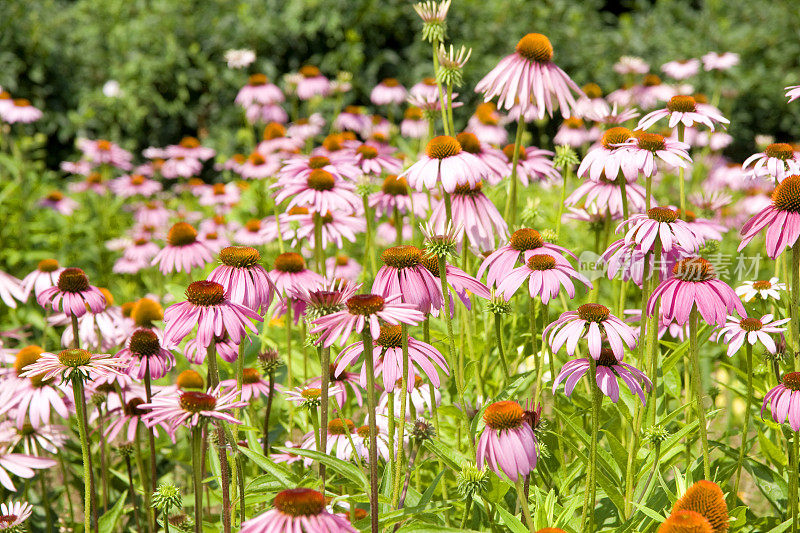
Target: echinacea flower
(388,91)
(189,408)
(56,201)
(591,321)
(778,160)
(761,289)
(337,443)
(631,65)
(74,361)
(403,273)
(133,185)
(365,311)
(684,109)
(522,244)
(72,294)
(20,465)
(445,163)
(311,83)
(785,399)
(736,331)
(413,125)
(486,125)
(706,499)
(659,225)
(183,251)
(395,194)
(507,444)
(245,281)
(340,382)
(612,154)
(103,152)
(681,69)
(146,355)
(388,356)
(529,77)
(461,283)
(253,384)
(494,158)
(259,90)
(20,110)
(130,414)
(300,511)
(14,514)
(604,197)
(682,521)
(781,218)
(376,159)
(792,92)
(31,399)
(475,216)
(717,61)
(290,273)
(608,370)
(694,284)
(545,279)
(321,192)
(533,164)
(307,396)
(645,147)
(362,439)
(10,290)
(208,307)
(336,226)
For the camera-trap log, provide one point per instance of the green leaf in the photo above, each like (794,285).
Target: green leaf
(279,472)
(511,521)
(342,468)
(771,450)
(108,522)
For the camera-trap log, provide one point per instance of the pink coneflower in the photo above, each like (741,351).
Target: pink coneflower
(533,164)
(261,114)
(573,132)
(14,514)
(337,443)
(694,283)
(403,273)
(429,102)
(56,201)
(130,414)
(321,192)
(610,156)
(365,310)
(290,273)
(723,61)
(93,182)
(507,444)
(72,294)
(684,109)
(426,89)
(376,159)
(494,158)
(196,352)
(245,281)
(545,279)
(274,140)
(459,281)
(187,408)
(488,125)
(645,147)
(340,165)
(190,147)
(44,277)
(322,297)
(340,382)
(307,396)
(736,331)
(681,69)
(255,232)
(631,65)
(351,118)
(781,218)
(82,167)
(590,321)
(785,400)
(20,110)
(608,370)
(419,399)
(208,307)
(647,95)
(101,331)
(304,128)
(388,91)
(522,244)
(20,465)
(311,83)
(253,385)
(763,290)
(343,267)
(529,76)
(31,398)
(224,195)
(778,160)
(792,92)
(300,511)
(11,290)
(152,214)
(134,184)
(445,162)
(259,91)
(395,194)
(286,457)
(388,356)
(362,440)
(90,366)
(413,124)
(183,251)
(660,223)
(605,197)
(703,228)
(144,352)
(257,166)
(335,227)
(474,215)
(181,167)
(102,152)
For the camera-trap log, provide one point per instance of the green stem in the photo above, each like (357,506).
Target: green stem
(445,122)
(319,252)
(698,390)
(67,492)
(278,227)
(132,490)
(591,482)
(369,240)
(565,172)
(624,194)
(325,356)
(288,318)
(374,511)
(647,192)
(523,503)
(793,496)
(197,477)
(746,424)
(681,175)
(398,225)
(510,213)
(466,513)
(151,440)
(267,413)
(80,409)
(75,338)
(398,471)
(498,333)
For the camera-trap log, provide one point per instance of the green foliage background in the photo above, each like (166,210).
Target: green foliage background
(168,54)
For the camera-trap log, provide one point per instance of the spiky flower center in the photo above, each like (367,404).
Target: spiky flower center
(318,161)
(47,265)
(27,356)
(189,142)
(8,519)
(189,379)
(104,146)
(55,196)
(205,293)
(486,114)
(780,151)
(607,357)
(321,180)
(273,130)
(592,90)
(395,186)
(297,210)
(299,502)
(74,357)
(146,311)
(390,337)
(218,189)
(694,269)
(257,79)
(73,280)
(662,214)
(132,407)
(614,136)
(706,499)
(365,304)
(467,190)
(256,159)
(390,82)
(762,285)
(751,324)
(251,376)
(593,312)
(363,432)
(137,179)
(94,178)
(651,80)
(144,343)
(652,142)
(337,427)
(342,260)
(541,262)
(239,256)
(404,256)
(526,239)
(309,71)
(413,113)
(681,104)
(786,196)
(290,262)
(196,401)
(253,225)
(508,150)
(367,151)
(442,147)
(686,522)
(181,234)
(535,47)
(311,393)
(573,123)
(469,142)
(791,380)
(504,415)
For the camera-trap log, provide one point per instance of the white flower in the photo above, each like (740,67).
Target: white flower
(762,289)
(111,89)
(239,58)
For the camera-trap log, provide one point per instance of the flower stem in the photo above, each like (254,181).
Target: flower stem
(370,252)
(565,172)
(325,356)
(151,440)
(398,225)
(133,494)
(746,425)
(80,408)
(591,482)
(278,227)
(225,477)
(197,477)
(795,295)
(510,213)
(698,391)
(75,338)
(445,122)
(624,194)
(398,471)
(794,456)
(523,503)
(681,176)
(498,334)
(288,318)
(366,338)
(319,252)
(271,394)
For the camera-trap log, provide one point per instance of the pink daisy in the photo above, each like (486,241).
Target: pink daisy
(376,159)
(130,414)
(245,281)
(590,321)
(253,385)
(545,279)
(736,331)
(102,152)
(684,109)
(188,408)
(488,125)
(474,215)
(778,160)
(396,195)
(56,201)
(304,128)
(717,61)
(337,443)
(660,223)
(352,118)
(694,283)
(494,158)
(792,92)
(261,114)
(341,382)
(31,399)
(134,184)
(290,273)
(529,76)
(533,164)
(11,290)
(20,465)
(342,267)
(608,370)
(445,162)
(208,307)
(573,132)
(388,91)
(365,310)
(257,166)
(321,192)
(335,228)
(522,244)
(181,167)
(259,91)
(225,195)
(341,165)
(275,141)
(785,398)
(781,218)
(681,69)
(14,514)
(631,65)
(145,353)
(414,125)
(605,197)
(300,511)
(610,155)
(73,361)
(72,294)
(419,399)
(507,444)
(20,110)
(459,282)
(190,147)
(311,83)
(44,277)
(403,273)
(183,251)
(196,352)
(645,147)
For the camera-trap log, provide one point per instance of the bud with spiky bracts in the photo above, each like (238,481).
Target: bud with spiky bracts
(433,15)
(167,496)
(565,157)
(472,481)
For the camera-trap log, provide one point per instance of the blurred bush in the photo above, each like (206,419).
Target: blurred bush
(167,55)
